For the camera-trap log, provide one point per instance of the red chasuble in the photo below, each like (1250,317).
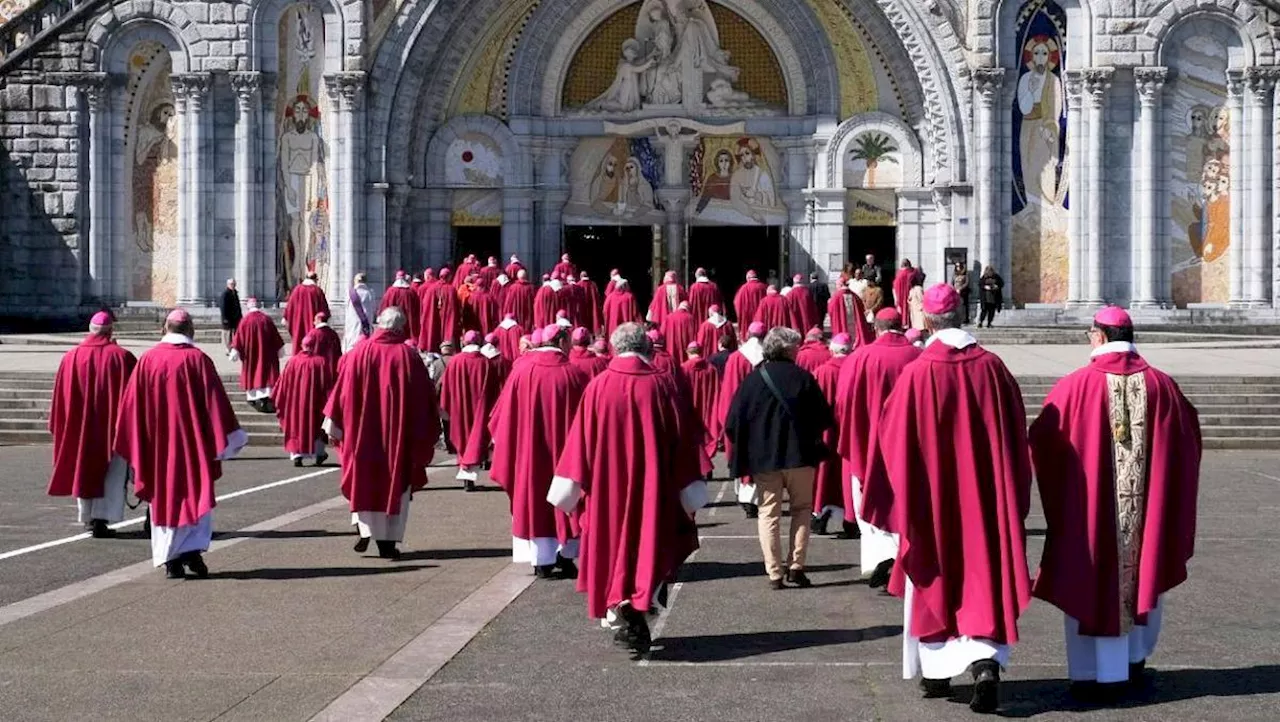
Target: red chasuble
(583,358)
(901,288)
(829,489)
(173,426)
(633,447)
(1072,445)
(703,382)
(529,426)
(87,393)
(441,318)
(384,415)
(328,345)
(774,311)
(305,301)
(951,475)
(575,303)
(509,341)
(468,391)
(666,299)
(848,315)
(680,329)
(482,311)
(593,316)
(564,269)
(518,300)
(803,309)
(702,296)
(745,303)
(620,307)
(546,303)
(258,343)
(300,396)
(709,336)
(406,299)
(812,355)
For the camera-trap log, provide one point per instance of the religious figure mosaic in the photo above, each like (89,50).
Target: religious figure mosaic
(1040,180)
(151,176)
(1200,154)
(733,183)
(302,192)
(613,180)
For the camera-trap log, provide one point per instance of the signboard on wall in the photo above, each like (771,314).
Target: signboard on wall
(871,207)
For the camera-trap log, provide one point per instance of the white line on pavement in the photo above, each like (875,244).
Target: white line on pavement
(798,663)
(138,520)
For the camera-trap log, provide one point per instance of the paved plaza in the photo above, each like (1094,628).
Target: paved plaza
(294,625)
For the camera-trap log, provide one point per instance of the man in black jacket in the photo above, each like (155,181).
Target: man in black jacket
(821,294)
(229,304)
(728,344)
(775,423)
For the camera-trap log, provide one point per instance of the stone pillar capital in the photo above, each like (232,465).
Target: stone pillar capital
(191,89)
(1260,80)
(345,88)
(1150,83)
(989,82)
(1097,81)
(247,85)
(1235,84)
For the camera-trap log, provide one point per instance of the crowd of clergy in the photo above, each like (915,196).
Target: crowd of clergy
(600,420)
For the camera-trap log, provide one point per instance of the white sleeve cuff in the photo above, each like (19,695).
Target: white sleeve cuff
(236,441)
(694,496)
(333,430)
(234,356)
(565,494)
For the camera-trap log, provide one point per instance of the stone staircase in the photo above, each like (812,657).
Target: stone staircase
(1238,412)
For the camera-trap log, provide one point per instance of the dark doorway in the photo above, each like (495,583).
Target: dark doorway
(728,252)
(881,242)
(600,249)
(483,241)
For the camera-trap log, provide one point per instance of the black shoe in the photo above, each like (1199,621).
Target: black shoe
(849,530)
(880,577)
(253,404)
(195,563)
(99,530)
(566,568)
(545,571)
(174,570)
(297,463)
(146,522)
(468,486)
(818,524)
(798,578)
(986,686)
(752,511)
(1085,691)
(268,407)
(935,688)
(1138,674)
(362,544)
(638,631)
(388,550)
(777,584)
(321,459)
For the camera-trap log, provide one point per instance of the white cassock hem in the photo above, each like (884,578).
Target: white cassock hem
(541,551)
(333,430)
(257,394)
(110,506)
(746,493)
(836,512)
(694,496)
(317,450)
(466,474)
(382,526)
(1107,659)
(234,356)
(170,542)
(876,546)
(943,660)
(236,441)
(564,494)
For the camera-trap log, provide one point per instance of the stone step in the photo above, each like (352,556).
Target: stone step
(40,394)
(1236,399)
(41,436)
(1240,444)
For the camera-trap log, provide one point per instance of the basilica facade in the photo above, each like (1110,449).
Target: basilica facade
(1089,151)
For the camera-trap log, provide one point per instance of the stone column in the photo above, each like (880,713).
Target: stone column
(345,91)
(1260,82)
(675,200)
(247,86)
(190,91)
(987,150)
(96,109)
(1235,254)
(1148,262)
(1097,82)
(1076,196)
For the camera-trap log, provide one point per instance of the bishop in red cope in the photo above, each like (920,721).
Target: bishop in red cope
(828,493)
(865,382)
(813,352)
(257,345)
(87,391)
(529,426)
(774,311)
(328,344)
(517,300)
(384,416)
(703,382)
(680,329)
(401,295)
(508,336)
(703,294)
(804,311)
(175,427)
(667,297)
(951,475)
(468,391)
(620,307)
(581,355)
(440,317)
(849,315)
(747,300)
(300,395)
(305,301)
(713,329)
(632,453)
(1117,457)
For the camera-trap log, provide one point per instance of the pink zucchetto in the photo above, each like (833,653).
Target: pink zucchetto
(309,342)
(694,348)
(491,338)
(1113,316)
(773,291)
(470,338)
(669,277)
(714,309)
(656,337)
(889,314)
(814,334)
(401,275)
(913,335)
(535,337)
(101,318)
(178,315)
(841,340)
(700,272)
(551,333)
(940,299)
(757,329)
(751,276)
(580,337)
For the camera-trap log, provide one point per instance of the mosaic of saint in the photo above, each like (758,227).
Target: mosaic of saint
(733,183)
(1039,199)
(1200,154)
(302,193)
(612,180)
(151,176)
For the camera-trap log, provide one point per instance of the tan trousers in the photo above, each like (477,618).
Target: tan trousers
(798,483)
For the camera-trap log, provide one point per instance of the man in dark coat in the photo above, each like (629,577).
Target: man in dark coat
(229,303)
(821,294)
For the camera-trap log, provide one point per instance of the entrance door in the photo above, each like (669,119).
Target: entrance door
(483,241)
(600,249)
(728,252)
(881,242)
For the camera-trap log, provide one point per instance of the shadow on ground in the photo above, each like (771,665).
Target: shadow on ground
(287,573)
(1029,698)
(728,647)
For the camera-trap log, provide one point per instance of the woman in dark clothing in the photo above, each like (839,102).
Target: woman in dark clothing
(991,286)
(960,281)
